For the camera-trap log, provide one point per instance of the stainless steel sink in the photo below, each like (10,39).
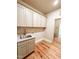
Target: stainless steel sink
(24,36)
(28,36)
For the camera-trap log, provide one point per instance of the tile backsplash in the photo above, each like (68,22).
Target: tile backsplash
(25,30)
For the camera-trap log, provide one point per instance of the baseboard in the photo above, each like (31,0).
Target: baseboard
(39,40)
(48,40)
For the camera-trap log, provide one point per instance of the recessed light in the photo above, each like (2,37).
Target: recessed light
(55,2)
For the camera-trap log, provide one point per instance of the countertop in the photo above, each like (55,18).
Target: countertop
(20,40)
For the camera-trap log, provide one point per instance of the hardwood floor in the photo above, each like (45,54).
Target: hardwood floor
(45,50)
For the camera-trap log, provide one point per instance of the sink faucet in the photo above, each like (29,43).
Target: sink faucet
(20,37)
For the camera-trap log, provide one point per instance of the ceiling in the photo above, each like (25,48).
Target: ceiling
(44,6)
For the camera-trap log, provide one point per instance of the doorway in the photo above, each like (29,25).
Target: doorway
(57,29)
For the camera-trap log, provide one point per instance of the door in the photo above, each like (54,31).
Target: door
(57,26)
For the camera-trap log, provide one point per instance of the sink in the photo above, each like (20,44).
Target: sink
(28,36)
(25,36)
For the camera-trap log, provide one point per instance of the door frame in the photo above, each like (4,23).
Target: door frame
(55,24)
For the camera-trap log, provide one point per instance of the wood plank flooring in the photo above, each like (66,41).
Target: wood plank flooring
(45,50)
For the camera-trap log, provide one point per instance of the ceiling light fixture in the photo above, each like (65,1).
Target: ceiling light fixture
(55,2)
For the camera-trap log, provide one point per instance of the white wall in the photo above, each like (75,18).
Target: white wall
(38,36)
(49,32)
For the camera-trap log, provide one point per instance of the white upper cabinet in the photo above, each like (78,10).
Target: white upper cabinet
(29,18)
(24,16)
(20,16)
(43,21)
(38,20)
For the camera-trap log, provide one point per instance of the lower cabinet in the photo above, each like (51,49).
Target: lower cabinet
(24,48)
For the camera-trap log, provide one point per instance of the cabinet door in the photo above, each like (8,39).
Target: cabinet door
(39,18)
(29,17)
(20,16)
(27,47)
(21,52)
(36,19)
(43,21)
(31,44)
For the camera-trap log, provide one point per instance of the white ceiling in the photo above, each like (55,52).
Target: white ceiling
(44,6)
